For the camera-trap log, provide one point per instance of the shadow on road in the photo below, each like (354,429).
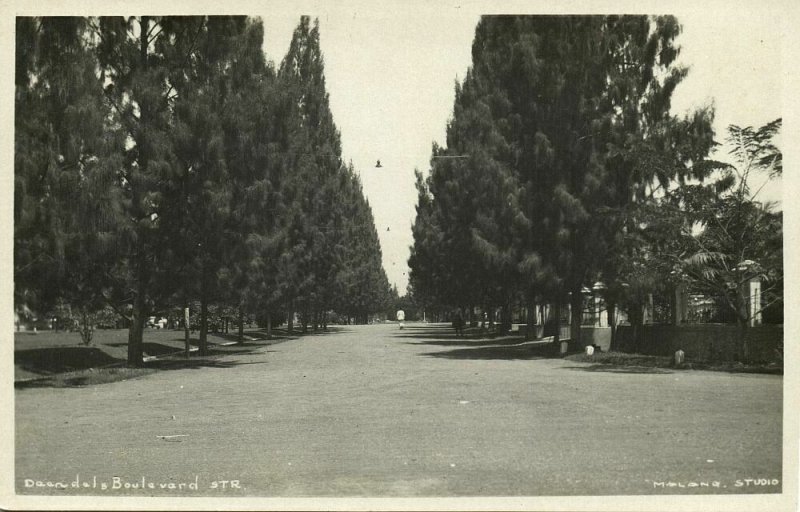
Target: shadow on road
(279,334)
(509,352)
(82,365)
(47,361)
(160,350)
(59,365)
(332,329)
(476,344)
(463,342)
(196,364)
(473,336)
(251,336)
(89,377)
(612,368)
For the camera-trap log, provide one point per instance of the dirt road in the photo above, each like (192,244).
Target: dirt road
(377,411)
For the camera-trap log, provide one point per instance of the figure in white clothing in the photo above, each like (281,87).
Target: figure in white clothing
(401,316)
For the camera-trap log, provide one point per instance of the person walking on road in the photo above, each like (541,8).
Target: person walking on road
(401,316)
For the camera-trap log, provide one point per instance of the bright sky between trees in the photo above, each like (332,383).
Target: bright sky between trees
(391,71)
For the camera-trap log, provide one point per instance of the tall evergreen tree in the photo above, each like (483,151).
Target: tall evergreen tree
(252,123)
(565,120)
(362,288)
(139,68)
(67,205)
(204,92)
(160,161)
(313,155)
(427,263)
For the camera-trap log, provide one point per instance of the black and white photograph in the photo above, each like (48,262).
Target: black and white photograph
(398,255)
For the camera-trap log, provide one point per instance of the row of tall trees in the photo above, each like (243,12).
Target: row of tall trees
(560,153)
(163,160)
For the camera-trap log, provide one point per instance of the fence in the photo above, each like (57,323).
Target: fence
(704,342)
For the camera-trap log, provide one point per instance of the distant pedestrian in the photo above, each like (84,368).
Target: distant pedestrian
(401,316)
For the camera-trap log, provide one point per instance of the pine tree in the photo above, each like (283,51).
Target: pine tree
(139,70)
(252,121)
(312,150)
(204,94)
(361,284)
(430,269)
(66,189)
(565,122)
(487,189)
(426,276)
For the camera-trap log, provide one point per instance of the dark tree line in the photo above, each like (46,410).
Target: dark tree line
(561,158)
(163,161)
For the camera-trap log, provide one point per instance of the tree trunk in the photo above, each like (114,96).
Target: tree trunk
(505,320)
(269,325)
(135,332)
(611,308)
(186,337)
(557,321)
(137,321)
(530,320)
(576,317)
(241,326)
(87,329)
(135,339)
(636,317)
(290,318)
(203,344)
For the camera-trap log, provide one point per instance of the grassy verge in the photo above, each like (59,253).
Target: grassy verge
(622,359)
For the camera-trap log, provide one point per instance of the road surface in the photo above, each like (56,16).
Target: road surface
(376,411)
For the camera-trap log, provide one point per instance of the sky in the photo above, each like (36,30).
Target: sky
(391,72)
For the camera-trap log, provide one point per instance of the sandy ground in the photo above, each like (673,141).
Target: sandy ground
(377,411)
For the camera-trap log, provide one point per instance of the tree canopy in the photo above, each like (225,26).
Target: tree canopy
(560,146)
(161,162)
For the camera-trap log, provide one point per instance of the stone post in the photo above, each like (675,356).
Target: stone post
(600,315)
(752,296)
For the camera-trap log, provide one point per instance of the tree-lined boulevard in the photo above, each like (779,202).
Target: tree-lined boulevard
(375,411)
(163,163)
(565,169)
(189,232)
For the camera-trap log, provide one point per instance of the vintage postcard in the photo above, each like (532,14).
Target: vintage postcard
(399,255)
